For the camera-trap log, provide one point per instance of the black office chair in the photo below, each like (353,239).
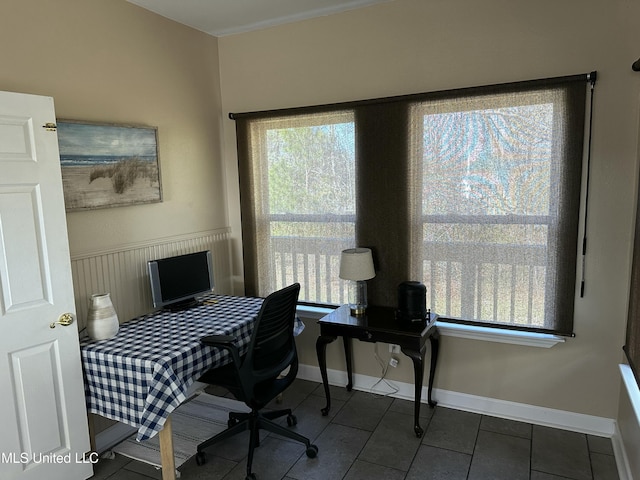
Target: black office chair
(255,378)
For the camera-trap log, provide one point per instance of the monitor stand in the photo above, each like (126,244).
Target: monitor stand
(182,305)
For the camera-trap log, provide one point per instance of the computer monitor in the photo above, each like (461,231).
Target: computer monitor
(177,281)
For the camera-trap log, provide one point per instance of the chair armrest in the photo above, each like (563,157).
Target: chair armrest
(225,342)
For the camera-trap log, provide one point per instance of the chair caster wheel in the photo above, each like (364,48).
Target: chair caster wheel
(292,420)
(312,451)
(201,458)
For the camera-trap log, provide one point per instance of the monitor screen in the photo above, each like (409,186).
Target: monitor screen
(177,281)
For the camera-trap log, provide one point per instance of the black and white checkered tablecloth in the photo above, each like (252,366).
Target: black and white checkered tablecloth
(142,374)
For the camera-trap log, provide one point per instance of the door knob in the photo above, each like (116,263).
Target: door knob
(65,319)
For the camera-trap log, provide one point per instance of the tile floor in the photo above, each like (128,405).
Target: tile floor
(369,436)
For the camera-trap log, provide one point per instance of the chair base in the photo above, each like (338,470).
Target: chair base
(254,421)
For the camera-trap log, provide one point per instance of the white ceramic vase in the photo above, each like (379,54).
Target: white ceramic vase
(102,320)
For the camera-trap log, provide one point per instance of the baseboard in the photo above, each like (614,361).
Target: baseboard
(576,422)
(620,454)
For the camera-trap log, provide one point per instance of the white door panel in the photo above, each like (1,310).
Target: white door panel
(42,407)
(37,368)
(24,281)
(18,140)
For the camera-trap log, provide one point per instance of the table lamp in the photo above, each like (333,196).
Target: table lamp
(356,265)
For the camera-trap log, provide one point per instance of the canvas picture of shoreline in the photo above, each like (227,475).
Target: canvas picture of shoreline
(108,165)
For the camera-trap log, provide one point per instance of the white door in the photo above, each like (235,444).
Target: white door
(42,409)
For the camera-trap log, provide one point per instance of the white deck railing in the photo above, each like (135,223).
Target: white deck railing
(463,280)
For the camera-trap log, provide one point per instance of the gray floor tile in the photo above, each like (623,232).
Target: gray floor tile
(453,430)
(338,447)
(216,468)
(393,442)
(362,470)
(108,466)
(545,476)
(363,411)
(439,464)
(604,467)
(129,475)
(600,444)
(368,436)
(297,392)
(507,427)
(311,422)
(271,461)
(407,407)
(499,456)
(234,448)
(336,392)
(561,453)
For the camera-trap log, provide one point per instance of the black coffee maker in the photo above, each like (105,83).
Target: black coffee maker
(412,302)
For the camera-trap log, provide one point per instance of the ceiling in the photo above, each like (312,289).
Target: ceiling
(226,17)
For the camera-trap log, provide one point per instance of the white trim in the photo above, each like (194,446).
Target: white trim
(312,312)
(620,454)
(576,422)
(633,391)
(487,334)
(500,335)
(295,17)
(156,242)
(619,449)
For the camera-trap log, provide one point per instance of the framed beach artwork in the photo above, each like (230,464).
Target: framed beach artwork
(106,165)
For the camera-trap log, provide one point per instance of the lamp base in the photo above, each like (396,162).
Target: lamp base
(358,297)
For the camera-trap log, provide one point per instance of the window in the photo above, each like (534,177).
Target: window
(303,177)
(492,173)
(475,192)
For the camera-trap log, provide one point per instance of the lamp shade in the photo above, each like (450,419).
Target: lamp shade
(356,264)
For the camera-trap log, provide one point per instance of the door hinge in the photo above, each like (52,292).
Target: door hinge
(50,127)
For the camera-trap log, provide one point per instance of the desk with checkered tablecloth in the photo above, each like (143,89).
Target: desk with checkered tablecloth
(142,374)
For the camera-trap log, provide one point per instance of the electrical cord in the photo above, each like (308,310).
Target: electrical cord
(385,367)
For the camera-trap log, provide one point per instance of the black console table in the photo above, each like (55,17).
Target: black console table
(379,324)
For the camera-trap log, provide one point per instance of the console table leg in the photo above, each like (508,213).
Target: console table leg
(349,359)
(321,351)
(435,347)
(418,370)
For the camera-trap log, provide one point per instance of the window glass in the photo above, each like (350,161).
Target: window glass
(486,206)
(307,215)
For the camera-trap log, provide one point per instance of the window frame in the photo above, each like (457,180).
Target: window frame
(382,160)
(266,272)
(492,101)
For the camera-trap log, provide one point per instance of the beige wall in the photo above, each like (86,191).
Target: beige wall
(409,46)
(111,61)
(117,63)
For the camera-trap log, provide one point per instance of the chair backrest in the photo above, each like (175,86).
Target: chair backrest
(272,347)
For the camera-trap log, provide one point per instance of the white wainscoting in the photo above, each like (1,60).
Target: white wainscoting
(122,271)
